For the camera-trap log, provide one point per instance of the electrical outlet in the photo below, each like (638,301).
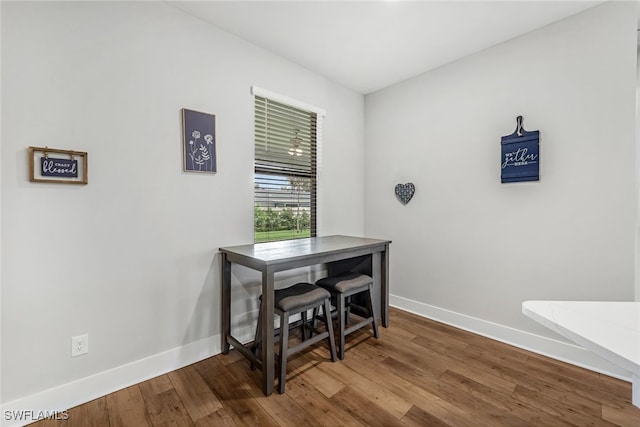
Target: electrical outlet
(79,345)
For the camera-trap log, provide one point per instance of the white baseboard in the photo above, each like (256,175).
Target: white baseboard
(65,396)
(58,399)
(565,352)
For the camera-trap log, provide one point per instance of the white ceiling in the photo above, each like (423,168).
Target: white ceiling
(369,45)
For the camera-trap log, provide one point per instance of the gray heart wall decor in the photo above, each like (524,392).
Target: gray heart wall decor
(404,192)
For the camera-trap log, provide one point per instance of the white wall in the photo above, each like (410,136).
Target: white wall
(130,258)
(468,246)
(118,258)
(637,271)
(0,219)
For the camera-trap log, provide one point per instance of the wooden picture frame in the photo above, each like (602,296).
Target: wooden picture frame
(198,142)
(72,169)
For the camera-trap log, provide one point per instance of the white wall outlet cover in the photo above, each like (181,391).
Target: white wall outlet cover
(79,345)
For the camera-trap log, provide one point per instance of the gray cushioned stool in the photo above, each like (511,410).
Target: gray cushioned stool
(293,300)
(342,287)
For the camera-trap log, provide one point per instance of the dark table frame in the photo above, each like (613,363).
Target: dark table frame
(269,258)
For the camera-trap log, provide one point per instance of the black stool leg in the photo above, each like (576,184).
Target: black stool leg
(313,321)
(304,324)
(257,341)
(341,322)
(312,329)
(372,312)
(347,310)
(284,344)
(329,325)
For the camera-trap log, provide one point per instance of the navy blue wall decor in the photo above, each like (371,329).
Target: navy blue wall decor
(61,168)
(71,170)
(520,159)
(198,141)
(404,192)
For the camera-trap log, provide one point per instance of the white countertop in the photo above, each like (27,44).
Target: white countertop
(609,329)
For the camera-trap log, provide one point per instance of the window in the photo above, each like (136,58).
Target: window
(285,171)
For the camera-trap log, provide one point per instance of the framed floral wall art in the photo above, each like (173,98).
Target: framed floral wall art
(198,141)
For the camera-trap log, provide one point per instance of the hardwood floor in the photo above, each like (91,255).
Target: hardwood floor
(419,373)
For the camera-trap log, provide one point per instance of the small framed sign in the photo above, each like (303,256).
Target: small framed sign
(57,166)
(520,159)
(198,141)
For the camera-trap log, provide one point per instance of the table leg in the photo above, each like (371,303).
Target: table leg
(268,362)
(384,288)
(635,390)
(226,302)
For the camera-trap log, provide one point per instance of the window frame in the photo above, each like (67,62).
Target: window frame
(272,166)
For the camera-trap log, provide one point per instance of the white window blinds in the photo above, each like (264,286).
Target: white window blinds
(285,171)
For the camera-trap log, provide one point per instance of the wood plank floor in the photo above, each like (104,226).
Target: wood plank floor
(418,373)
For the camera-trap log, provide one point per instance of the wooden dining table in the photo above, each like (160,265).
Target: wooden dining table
(338,253)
